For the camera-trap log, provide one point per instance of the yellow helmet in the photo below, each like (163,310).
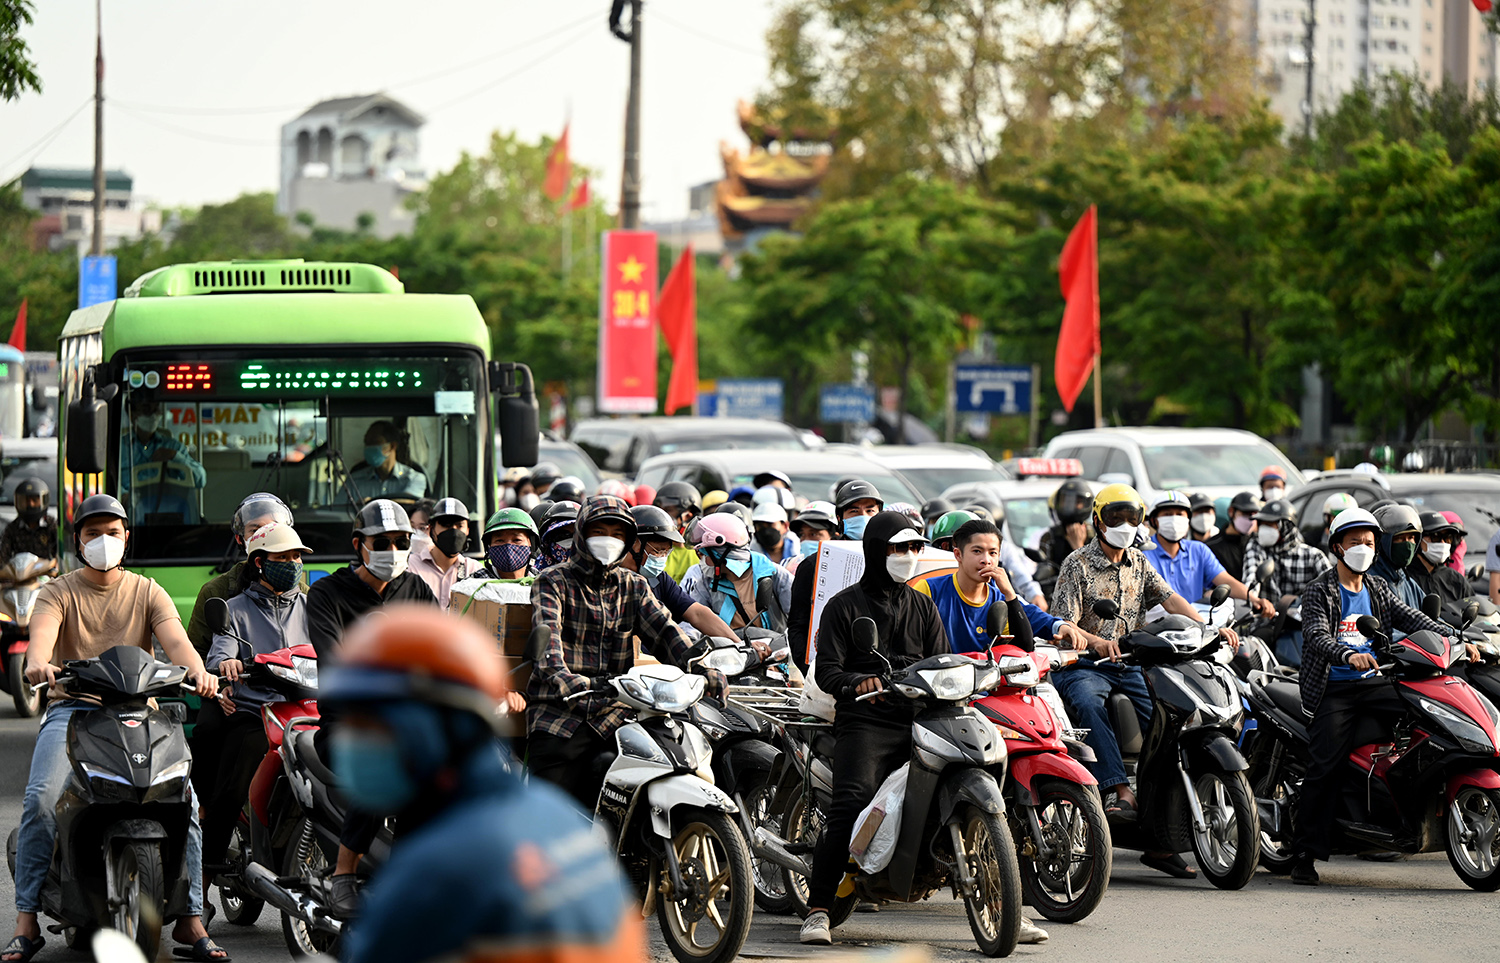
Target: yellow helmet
(714,498)
(1118,505)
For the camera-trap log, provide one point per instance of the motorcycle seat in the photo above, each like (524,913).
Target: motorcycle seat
(307,751)
(1126,723)
(1288,697)
(823,745)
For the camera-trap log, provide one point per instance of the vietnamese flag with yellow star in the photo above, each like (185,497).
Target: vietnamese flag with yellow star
(627,323)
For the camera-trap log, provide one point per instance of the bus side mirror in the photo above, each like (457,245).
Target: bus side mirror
(516,413)
(88,427)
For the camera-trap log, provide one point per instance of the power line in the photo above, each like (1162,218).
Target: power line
(195,134)
(513,74)
(711,38)
(587,18)
(45,141)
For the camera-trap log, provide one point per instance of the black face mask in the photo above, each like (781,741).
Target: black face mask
(769,538)
(450,541)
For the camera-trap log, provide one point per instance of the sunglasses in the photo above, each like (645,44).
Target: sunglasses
(1114,515)
(384,543)
(904,548)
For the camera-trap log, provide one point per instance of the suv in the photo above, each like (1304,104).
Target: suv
(931,468)
(813,473)
(1217,462)
(1475,497)
(620,445)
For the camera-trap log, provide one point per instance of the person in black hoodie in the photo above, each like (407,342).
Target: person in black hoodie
(872,738)
(855,501)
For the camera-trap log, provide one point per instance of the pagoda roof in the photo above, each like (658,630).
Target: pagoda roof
(762,130)
(739,212)
(774,171)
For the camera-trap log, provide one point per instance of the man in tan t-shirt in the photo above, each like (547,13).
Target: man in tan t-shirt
(79,616)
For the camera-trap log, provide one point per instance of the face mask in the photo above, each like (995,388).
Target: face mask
(1120,536)
(808,547)
(104,552)
(1437,553)
(370,770)
(555,553)
(1202,522)
(451,541)
(653,566)
(1272,494)
(901,567)
(605,549)
(529,500)
(737,561)
(147,424)
(1172,527)
(1402,553)
(1267,535)
(855,527)
(1359,558)
(768,538)
(1242,524)
(508,557)
(385,566)
(281,576)
(374,455)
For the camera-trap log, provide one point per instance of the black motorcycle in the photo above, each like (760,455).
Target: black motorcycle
(120,860)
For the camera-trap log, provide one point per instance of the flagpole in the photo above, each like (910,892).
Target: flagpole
(1098,396)
(567,239)
(1098,346)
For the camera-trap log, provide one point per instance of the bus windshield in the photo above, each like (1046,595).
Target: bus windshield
(326,435)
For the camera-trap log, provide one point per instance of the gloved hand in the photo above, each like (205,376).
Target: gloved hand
(718,683)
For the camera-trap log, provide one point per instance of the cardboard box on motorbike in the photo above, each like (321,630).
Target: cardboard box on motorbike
(504,610)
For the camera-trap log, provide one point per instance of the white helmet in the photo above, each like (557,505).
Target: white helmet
(773,495)
(1172,499)
(1349,520)
(1337,502)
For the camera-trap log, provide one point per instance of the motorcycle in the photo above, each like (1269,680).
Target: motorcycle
(120,860)
(1188,772)
(675,832)
(953,829)
(1484,633)
(1431,783)
(1056,815)
(20,581)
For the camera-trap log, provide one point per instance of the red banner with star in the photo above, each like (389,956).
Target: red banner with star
(627,325)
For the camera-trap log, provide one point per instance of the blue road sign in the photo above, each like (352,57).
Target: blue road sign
(846,403)
(96,280)
(997,389)
(749,398)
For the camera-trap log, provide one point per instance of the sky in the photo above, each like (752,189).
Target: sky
(196,91)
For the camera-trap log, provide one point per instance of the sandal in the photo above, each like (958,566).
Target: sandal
(1172,865)
(24,945)
(1119,809)
(202,951)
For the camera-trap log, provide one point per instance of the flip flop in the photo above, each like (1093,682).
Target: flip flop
(202,951)
(1172,865)
(1121,810)
(24,945)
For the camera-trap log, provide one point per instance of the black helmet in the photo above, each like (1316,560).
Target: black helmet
(1073,501)
(935,508)
(382,515)
(744,512)
(1435,522)
(762,479)
(986,507)
(1245,502)
(678,494)
(557,512)
(568,489)
(99,505)
(544,474)
(1280,510)
(31,487)
(853,490)
(652,522)
(1198,501)
(979,511)
(602,508)
(1398,519)
(540,509)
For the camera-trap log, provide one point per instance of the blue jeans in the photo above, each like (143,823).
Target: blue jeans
(1086,689)
(49,774)
(1289,649)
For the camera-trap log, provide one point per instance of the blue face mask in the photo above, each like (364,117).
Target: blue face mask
(653,566)
(371,772)
(809,547)
(854,527)
(508,557)
(374,455)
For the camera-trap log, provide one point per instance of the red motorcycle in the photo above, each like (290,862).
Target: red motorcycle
(1057,818)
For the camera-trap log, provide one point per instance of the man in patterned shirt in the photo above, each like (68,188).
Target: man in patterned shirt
(1107,567)
(593,607)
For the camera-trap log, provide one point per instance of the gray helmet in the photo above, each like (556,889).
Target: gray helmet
(260,505)
(1397,519)
(382,515)
(96,505)
(1279,510)
(854,490)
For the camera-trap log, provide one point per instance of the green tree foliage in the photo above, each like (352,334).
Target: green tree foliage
(17,70)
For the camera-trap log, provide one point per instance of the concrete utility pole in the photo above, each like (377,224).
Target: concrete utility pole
(98,244)
(630,181)
(1307,47)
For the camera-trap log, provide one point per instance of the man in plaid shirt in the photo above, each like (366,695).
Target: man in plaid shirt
(1297,564)
(594,608)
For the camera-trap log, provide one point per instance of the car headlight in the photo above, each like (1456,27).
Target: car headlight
(678,694)
(178,770)
(950,684)
(730,661)
(1030,676)
(1469,736)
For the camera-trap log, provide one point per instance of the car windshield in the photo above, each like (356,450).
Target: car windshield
(1027,519)
(1199,465)
(326,435)
(1478,509)
(772,440)
(816,486)
(569,461)
(13,471)
(932,482)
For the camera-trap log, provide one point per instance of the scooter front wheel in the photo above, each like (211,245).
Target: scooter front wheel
(1068,883)
(990,854)
(708,921)
(240,908)
(28,703)
(1474,837)
(140,894)
(1228,845)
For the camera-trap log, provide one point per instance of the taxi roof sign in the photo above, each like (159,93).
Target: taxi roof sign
(1048,467)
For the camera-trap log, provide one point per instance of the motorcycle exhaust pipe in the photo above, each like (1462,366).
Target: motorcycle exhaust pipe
(262,883)
(767,845)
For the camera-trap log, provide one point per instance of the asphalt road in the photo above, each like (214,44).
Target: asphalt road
(1410,910)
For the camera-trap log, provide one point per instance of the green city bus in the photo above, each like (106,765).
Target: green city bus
(269,374)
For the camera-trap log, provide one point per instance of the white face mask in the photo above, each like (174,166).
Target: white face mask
(1242,524)
(387,565)
(147,424)
(1173,528)
(1359,558)
(530,500)
(1267,535)
(1272,494)
(1120,536)
(1203,522)
(1437,552)
(104,552)
(902,567)
(605,549)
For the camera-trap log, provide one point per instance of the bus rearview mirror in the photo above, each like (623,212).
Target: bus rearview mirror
(515,413)
(88,427)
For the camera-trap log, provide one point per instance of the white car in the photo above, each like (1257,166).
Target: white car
(1217,462)
(1027,514)
(931,468)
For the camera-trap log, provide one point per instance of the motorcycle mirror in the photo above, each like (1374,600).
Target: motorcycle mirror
(1107,609)
(995,620)
(112,946)
(1217,596)
(1471,612)
(763,595)
(537,642)
(1431,605)
(865,635)
(216,611)
(1368,626)
(1265,570)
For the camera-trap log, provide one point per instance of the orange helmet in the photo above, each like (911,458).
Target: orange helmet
(408,652)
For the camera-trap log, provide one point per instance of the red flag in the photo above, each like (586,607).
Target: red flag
(580,196)
(18,333)
(1078,339)
(677,313)
(1483,6)
(559,169)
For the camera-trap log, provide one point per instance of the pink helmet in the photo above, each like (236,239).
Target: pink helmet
(613,486)
(719,530)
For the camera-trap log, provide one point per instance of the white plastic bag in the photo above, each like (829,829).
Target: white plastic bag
(813,701)
(879,825)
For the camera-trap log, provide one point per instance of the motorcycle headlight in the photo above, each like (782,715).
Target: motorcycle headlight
(94,772)
(178,770)
(1029,676)
(302,671)
(637,745)
(950,684)
(678,694)
(730,661)
(1469,736)
(1183,640)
